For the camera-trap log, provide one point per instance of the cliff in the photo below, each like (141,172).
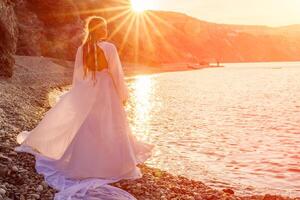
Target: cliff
(8,37)
(48,28)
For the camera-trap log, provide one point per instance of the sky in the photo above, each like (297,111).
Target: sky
(250,12)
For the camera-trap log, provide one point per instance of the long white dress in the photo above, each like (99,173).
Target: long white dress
(84,142)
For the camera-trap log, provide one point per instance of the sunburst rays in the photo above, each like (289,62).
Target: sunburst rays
(165,43)
(137,40)
(126,35)
(127,16)
(148,37)
(139,30)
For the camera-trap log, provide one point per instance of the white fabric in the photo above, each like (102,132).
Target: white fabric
(84,142)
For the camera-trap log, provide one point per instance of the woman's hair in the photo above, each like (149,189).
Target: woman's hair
(96,30)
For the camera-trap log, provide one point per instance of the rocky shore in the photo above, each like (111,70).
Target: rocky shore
(24,101)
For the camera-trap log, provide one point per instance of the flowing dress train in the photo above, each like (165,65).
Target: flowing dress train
(84,142)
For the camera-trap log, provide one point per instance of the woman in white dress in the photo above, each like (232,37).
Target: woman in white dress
(84,141)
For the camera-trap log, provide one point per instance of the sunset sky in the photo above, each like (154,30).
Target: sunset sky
(262,12)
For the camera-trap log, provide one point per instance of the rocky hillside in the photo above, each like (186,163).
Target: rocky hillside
(8,37)
(48,28)
(35,28)
(55,29)
(176,37)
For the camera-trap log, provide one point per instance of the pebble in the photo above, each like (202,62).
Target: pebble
(228,191)
(40,188)
(12,153)
(5,159)
(14,168)
(44,184)
(36,196)
(3,170)
(2,191)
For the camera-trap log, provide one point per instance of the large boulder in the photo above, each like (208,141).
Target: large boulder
(8,37)
(61,25)
(31,30)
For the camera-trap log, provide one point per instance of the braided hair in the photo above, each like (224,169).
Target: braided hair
(96,30)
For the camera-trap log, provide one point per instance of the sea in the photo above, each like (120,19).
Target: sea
(233,127)
(236,126)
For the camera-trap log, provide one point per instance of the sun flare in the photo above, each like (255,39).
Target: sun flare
(141,5)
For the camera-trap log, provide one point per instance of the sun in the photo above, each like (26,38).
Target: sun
(141,5)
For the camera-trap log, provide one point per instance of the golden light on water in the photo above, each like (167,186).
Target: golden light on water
(142,89)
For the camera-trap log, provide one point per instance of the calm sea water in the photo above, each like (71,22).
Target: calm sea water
(236,127)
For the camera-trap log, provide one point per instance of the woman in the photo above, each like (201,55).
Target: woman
(86,135)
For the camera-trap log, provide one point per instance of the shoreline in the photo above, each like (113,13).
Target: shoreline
(137,70)
(132,70)
(24,101)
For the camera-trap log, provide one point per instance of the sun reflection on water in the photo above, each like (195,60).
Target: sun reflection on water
(141,91)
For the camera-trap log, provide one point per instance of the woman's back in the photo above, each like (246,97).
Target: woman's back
(102,62)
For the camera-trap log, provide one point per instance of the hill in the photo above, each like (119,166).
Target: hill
(55,29)
(177,37)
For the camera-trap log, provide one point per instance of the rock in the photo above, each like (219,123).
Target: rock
(2,191)
(55,33)
(8,37)
(14,168)
(228,191)
(31,30)
(35,28)
(44,184)
(190,198)
(35,196)
(39,188)
(139,185)
(12,153)
(272,197)
(163,197)
(5,159)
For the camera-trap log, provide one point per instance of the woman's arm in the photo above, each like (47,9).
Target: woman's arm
(78,67)
(116,70)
